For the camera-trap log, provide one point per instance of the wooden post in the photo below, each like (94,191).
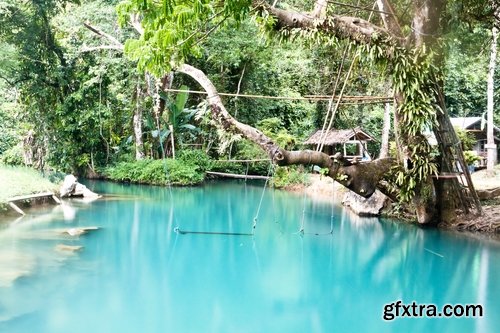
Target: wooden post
(56,199)
(17,209)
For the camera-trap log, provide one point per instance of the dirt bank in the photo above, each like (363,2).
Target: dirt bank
(490,220)
(324,189)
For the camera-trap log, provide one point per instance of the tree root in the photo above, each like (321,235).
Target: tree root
(483,224)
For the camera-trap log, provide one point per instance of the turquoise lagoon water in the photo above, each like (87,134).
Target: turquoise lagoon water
(136,274)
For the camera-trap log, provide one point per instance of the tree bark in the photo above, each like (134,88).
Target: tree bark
(137,124)
(426,21)
(348,27)
(389,18)
(490,137)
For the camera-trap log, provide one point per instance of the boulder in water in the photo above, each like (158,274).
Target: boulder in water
(68,248)
(72,188)
(68,186)
(371,206)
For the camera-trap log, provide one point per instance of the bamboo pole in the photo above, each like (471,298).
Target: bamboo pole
(345,99)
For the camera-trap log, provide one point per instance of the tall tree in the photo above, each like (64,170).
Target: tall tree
(42,66)
(406,44)
(490,142)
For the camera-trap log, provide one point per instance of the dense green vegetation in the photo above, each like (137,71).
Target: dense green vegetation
(87,124)
(69,95)
(188,169)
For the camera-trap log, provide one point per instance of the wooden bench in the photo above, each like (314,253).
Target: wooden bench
(11,201)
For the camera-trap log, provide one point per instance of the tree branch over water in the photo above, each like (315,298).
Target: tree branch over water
(362,178)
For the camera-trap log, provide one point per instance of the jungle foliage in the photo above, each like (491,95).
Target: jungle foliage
(79,99)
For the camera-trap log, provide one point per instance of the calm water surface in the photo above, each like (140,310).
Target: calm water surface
(136,274)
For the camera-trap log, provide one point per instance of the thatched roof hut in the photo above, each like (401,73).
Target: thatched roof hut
(341,136)
(353,141)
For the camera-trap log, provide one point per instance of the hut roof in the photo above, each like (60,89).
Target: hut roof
(464,122)
(339,136)
(470,123)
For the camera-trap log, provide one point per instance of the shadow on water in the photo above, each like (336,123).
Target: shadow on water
(137,274)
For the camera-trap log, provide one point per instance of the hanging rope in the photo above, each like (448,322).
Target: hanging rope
(323,132)
(236,104)
(345,99)
(330,102)
(246,171)
(332,210)
(301,231)
(302,221)
(164,158)
(269,172)
(339,99)
(255,220)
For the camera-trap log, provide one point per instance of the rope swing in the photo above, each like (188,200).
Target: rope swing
(224,233)
(302,231)
(334,111)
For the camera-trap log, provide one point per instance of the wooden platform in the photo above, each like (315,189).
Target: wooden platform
(10,201)
(237,176)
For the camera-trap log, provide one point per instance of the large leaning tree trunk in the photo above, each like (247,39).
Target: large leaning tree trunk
(362,178)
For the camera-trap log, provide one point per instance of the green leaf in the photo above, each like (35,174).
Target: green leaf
(181,99)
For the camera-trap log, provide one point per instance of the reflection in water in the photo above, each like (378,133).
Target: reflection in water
(136,274)
(482,293)
(69,212)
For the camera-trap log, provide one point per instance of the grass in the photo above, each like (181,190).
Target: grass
(16,181)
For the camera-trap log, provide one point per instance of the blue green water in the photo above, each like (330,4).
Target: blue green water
(136,274)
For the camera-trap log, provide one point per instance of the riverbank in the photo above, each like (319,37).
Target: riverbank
(324,189)
(18,181)
(23,181)
(489,222)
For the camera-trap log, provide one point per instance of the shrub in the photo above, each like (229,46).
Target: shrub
(288,176)
(471,157)
(226,167)
(13,156)
(180,173)
(9,127)
(245,150)
(467,138)
(195,156)
(188,169)
(273,127)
